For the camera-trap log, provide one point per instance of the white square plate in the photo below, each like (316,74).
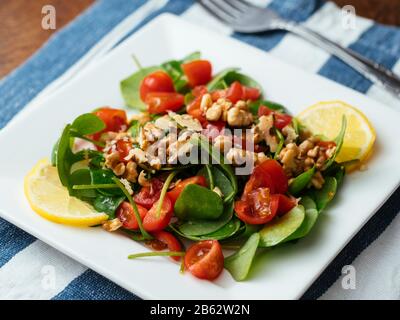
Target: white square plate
(283,273)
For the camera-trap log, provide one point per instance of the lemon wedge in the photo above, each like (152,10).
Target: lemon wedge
(325,118)
(50,199)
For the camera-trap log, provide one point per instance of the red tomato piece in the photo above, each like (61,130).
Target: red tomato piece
(215,95)
(199,91)
(285,203)
(147,196)
(274,170)
(281,120)
(127,216)
(161,102)
(123,148)
(258,208)
(250,93)
(176,191)
(170,240)
(153,222)
(205,260)
(264,111)
(158,81)
(114,119)
(235,92)
(198,72)
(193,108)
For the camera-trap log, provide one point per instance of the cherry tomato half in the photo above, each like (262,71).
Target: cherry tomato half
(193,108)
(161,102)
(259,207)
(147,196)
(158,81)
(127,216)
(285,203)
(170,240)
(123,148)
(198,72)
(274,170)
(176,191)
(236,92)
(153,222)
(205,260)
(114,119)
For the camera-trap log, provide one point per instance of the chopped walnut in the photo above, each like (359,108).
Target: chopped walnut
(262,131)
(112,225)
(142,180)
(214,112)
(131,171)
(317,180)
(206,102)
(290,134)
(238,117)
(238,156)
(119,169)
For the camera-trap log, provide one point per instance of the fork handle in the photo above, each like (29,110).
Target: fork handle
(369,69)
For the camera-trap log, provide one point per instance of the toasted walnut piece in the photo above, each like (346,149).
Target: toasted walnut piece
(131,171)
(223,143)
(317,180)
(241,104)
(119,169)
(290,134)
(112,225)
(206,102)
(312,153)
(218,191)
(238,156)
(239,118)
(262,131)
(329,153)
(214,112)
(186,121)
(112,159)
(288,157)
(142,180)
(305,146)
(260,157)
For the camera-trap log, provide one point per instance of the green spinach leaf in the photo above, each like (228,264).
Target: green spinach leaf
(301,181)
(311,215)
(203,227)
(282,228)
(88,123)
(196,202)
(107,204)
(218,80)
(339,143)
(325,195)
(240,262)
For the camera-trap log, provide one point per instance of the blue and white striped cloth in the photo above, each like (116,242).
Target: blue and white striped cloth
(23,259)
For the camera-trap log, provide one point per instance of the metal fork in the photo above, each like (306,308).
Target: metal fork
(244,17)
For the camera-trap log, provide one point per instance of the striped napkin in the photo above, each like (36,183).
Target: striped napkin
(26,262)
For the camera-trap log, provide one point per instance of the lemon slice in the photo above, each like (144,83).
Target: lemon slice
(50,199)
(325,118)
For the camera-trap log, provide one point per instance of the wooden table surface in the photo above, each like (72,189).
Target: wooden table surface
(21,33)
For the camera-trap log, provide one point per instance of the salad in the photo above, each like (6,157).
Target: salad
(208,163)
